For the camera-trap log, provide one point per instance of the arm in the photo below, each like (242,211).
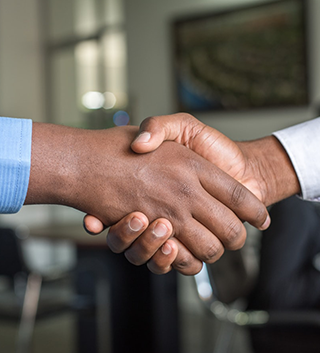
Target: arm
(94,171)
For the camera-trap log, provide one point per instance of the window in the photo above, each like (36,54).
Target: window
(86,63)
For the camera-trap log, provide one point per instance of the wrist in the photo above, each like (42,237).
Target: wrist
(270,164)
(53,164)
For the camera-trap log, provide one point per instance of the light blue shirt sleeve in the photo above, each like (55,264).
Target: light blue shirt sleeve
(302,143)
(15,162)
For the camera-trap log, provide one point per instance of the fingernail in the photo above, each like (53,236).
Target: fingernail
(266,223)
(135,224)
(160,230)
(144,137)
(166,249)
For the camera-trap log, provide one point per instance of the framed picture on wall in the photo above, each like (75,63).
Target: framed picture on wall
(242,58)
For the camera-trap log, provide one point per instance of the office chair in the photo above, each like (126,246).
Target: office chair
(29,296)
(226,288)
(232,314)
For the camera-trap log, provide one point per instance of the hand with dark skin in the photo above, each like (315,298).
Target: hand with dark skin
(261,165)
(96,172)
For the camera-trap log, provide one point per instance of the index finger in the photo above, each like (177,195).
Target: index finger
(153,131)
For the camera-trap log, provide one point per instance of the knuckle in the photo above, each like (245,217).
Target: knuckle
(149,122)
(213,253)
(189,270)
(235,235)
(186,190)
(238,195)
(261,215)
(185,115)
(183,263)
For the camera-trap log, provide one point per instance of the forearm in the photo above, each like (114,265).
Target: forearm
(272,167)
(53,172)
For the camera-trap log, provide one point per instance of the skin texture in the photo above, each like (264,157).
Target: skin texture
(180,193)
(261,165)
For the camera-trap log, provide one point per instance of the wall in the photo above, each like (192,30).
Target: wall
(21,86)
(150,67)
(21,93)
(22,89)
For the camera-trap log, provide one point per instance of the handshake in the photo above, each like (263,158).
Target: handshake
(174,193)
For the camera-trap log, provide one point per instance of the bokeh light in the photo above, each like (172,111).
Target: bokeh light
(121,118)
(110,100)
(93,100)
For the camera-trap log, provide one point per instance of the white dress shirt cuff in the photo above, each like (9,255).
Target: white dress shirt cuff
(302,143)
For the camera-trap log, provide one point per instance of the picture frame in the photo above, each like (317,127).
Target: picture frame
(243,58)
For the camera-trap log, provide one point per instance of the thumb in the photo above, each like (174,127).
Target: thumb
(93,225)
(153,131)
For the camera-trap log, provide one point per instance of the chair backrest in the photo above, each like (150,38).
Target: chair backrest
(11,261)
(226,280)
(229,277)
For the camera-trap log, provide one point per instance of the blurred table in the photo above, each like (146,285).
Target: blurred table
(73,232)
(143,307)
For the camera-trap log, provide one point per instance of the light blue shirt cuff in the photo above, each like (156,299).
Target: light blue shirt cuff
(302,143)
(15,162)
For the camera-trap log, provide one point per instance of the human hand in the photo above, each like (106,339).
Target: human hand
(157,242)
(95,171)
(261,165)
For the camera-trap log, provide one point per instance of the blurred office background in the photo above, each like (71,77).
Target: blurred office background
(99,63)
